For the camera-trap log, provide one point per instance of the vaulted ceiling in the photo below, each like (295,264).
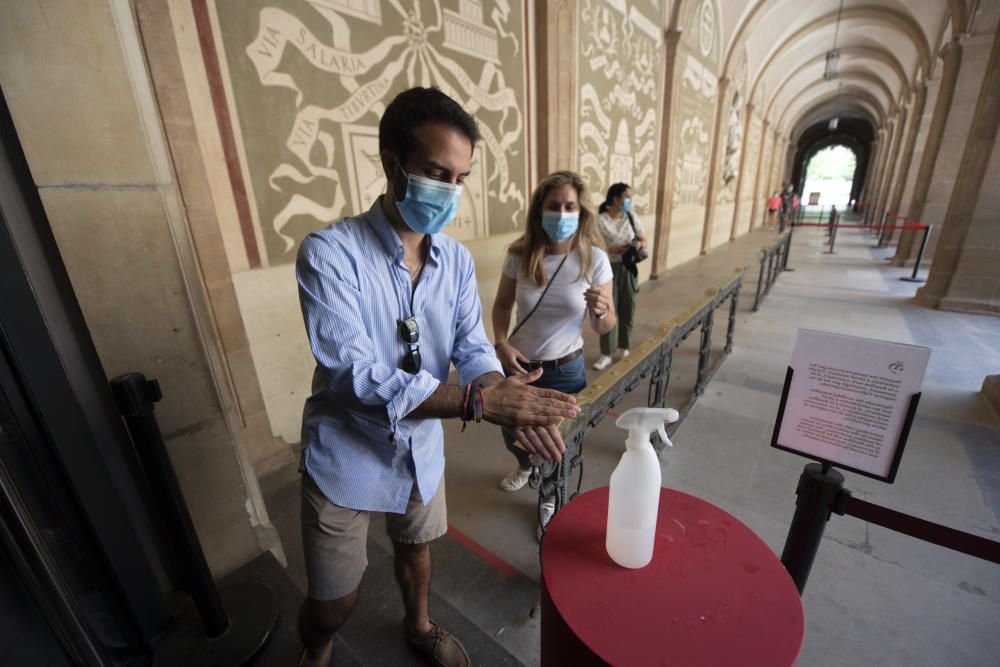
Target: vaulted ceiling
(887,47)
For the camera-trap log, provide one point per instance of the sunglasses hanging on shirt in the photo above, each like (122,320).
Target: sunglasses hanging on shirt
(409,333)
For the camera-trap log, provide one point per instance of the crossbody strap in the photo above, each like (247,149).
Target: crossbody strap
(542,296)
(635,234)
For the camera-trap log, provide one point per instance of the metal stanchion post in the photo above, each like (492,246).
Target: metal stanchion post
(834,218)
(920,258)
(881,225)
(819,494)
(222,639)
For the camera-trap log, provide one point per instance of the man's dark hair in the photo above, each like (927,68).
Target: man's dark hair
(397,131)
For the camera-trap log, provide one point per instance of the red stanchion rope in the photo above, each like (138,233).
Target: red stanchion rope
(817,224)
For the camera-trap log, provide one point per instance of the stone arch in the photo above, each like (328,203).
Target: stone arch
(893,18)
(822,112)
(853,73)
(880,55)
(852,91)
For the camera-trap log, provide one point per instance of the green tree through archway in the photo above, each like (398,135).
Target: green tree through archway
(830,172)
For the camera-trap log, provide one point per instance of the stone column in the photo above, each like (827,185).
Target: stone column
(557,85)
(713,168)
(916,113)
(991,391)
(965,274)
(771,164)
(892,166)
(874,157)
(871,196)
(951,56)
(664,199)
(765,124)
(885,169)
(741,179)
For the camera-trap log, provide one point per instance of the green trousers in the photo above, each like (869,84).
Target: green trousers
(623,289)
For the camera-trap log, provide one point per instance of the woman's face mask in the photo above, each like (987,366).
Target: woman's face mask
(560,226)
(428,205)
(627,204)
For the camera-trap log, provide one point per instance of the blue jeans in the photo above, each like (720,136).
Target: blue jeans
(570,378)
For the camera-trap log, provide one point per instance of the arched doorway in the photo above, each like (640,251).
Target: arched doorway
(830,175)
(853,134)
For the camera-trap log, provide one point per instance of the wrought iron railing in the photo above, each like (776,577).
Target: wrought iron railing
(773,260)
(653,359)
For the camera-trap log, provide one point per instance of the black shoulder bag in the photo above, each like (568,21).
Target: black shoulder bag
(633,255)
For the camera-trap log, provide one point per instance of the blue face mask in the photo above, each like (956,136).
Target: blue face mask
(627,205)
(429,205)
(560,226)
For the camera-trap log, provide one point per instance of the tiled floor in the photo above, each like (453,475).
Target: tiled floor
(874,597)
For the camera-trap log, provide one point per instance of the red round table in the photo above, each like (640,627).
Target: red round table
(714,593)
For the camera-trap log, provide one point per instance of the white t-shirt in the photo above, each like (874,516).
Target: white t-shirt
(618,231)
(556,328)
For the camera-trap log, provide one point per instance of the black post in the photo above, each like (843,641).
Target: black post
(881,224)
(920,257)
(819,494)
(135,397)
(834,219)
(704,352)
(233,638)
(760,281)
(788,249)
(731,326)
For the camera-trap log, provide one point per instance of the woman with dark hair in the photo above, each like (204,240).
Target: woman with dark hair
(621,230)
(558,275)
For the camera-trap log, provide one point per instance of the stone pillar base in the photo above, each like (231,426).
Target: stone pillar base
(991,391)
(983,306)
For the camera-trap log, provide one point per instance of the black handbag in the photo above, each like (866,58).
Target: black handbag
(633,255)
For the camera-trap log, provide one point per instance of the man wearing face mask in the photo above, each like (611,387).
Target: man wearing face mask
(389,304)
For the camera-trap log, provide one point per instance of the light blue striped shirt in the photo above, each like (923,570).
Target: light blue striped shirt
(358,443)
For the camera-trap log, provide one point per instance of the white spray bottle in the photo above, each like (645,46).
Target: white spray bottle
(634,497)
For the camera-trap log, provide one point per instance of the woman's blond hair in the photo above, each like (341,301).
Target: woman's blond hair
(533,243)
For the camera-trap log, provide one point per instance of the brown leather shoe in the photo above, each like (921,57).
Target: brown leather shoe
(439,647)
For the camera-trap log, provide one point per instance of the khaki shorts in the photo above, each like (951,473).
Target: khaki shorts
(334,538)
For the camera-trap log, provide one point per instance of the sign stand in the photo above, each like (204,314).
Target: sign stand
(820,493)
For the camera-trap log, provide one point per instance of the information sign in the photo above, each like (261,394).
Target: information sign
(849,401)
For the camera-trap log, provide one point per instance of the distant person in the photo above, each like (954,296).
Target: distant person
(559,277)
(621,230)
(786,204)
(389,304)
(773,206)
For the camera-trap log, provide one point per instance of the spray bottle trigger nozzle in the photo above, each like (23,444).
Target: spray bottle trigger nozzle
(663,436)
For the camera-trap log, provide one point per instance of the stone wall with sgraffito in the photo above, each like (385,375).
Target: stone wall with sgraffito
(309,82)
(620,77)
(732,132)
(306,83)
(696,87)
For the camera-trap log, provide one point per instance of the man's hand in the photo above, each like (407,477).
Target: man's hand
(543,441)
(513,403)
